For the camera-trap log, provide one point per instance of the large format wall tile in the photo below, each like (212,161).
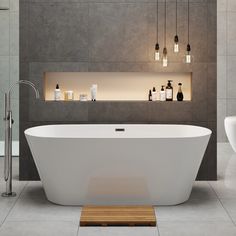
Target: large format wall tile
(4,75)
(221,107)
(9,53)
(221,33)
(231,72)
(58,32)
(222,5)
(4,36)
(14,33)
(118,32)
(231,5)
(221,76)
(231,33)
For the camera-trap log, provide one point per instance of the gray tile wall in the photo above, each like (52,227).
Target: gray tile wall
(115,35)
(9,60)
(226,56)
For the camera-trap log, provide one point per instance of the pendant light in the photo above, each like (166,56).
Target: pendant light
(157,46)
(188,56)
(176,38)
(165,58)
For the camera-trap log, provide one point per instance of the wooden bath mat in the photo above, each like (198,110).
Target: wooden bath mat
(118,216)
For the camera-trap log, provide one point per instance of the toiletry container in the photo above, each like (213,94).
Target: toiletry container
(83,97)
(57,93)
(169,91)
(69,95)
(150,95)
(162,94)
(94,90)
(180,95)
(154,94)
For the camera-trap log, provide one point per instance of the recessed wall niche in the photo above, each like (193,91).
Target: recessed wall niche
(115,86)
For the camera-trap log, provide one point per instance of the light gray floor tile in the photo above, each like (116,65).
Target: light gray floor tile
(230,206)
(225,188)
(39,209)
(196,229)
(38,229)
(33,189)
(17,186)
(118,231)
(6,204)
(226,159)
(202,190)
(193,210)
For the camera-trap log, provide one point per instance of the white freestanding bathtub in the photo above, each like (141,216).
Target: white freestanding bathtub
(230,129)
(118,164)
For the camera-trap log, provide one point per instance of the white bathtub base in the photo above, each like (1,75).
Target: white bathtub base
(118,171)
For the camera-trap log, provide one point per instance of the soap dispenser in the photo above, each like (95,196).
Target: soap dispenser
(169,91)
(180,95)
(162,94)
(57,93)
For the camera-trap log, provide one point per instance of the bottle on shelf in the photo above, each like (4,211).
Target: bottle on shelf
(169,91)
(162,94)
(94,90)
(154,94)
(180,95)
(57,93)
(69,95)
(150,95)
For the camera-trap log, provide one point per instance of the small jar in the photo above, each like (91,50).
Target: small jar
(69,95)
(83,97)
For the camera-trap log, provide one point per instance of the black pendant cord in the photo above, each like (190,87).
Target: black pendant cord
(176,38)
(188,47)
(157,21)
(165,26)
(176,15)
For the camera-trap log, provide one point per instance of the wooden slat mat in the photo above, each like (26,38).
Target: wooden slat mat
(118,216)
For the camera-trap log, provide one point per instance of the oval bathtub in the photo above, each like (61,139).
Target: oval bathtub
(118,164)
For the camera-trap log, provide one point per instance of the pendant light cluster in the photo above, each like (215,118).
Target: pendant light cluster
(188,56)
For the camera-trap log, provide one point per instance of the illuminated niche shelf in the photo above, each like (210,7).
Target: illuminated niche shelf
(115,86)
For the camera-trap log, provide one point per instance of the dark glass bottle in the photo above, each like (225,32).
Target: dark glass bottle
(150,95)
(180,95)
(169,91)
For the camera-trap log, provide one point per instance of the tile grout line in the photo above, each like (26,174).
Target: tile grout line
(14,204)
(223,205)
(77,233)
(158,231)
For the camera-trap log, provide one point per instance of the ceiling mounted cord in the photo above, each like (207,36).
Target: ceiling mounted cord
(176,38)
(157,46)
(165,59)
(188,57)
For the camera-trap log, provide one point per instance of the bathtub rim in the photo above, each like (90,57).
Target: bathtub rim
(206,131)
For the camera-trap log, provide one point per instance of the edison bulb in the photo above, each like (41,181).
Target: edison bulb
(157,55)
(188,58)
(176,47)
(165,61)
(157,52)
